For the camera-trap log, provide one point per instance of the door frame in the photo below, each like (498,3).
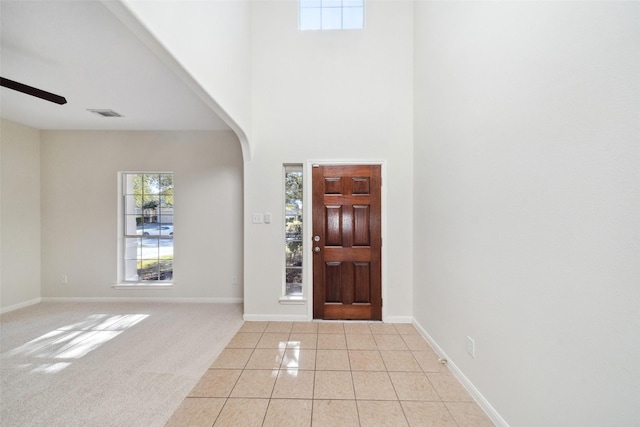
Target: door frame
(308,226)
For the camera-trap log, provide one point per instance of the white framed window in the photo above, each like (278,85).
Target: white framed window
(293,250)
(331,15)
(147,224)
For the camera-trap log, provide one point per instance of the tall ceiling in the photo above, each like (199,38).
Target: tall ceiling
(80,50)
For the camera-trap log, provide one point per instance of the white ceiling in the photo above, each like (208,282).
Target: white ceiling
(80,50)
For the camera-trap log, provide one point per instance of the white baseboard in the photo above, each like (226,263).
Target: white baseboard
(305,318)
(276,318)
(20,305)
(468,385)
(146,299)
(398,319)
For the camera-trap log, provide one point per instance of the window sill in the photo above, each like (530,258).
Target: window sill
(293,300)
(134,285)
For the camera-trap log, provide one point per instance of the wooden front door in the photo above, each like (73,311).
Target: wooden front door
(347,242)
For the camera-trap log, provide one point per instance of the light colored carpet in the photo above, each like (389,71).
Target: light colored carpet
(107,364)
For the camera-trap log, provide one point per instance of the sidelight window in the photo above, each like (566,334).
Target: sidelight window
(293,229)
(148,227)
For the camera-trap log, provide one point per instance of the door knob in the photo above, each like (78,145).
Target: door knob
(316,249)
(316,239)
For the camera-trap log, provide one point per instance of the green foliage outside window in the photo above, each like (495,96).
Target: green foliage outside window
(293,230)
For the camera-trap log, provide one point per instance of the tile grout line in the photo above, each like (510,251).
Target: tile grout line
(410,351)
(238,379)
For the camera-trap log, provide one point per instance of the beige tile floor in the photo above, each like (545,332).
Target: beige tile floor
(328,374)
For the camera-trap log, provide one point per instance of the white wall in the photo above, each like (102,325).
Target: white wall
(212,43)
(329,95)
(527,201)
(20,215)
(79,210)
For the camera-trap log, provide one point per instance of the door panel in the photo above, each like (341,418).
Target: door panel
(361,232)
(347,252)
(362,272)
(333,225)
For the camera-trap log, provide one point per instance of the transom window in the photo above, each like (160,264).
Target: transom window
(293,229)
(148,227)
(331,14)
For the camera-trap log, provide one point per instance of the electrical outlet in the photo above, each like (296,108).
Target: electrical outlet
(64,279)
(234,280)
(471,347)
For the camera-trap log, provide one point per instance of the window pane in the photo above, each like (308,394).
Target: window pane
(131,257)
(147,270)
(294,281)
(294,253)
(155,229)
(156,269)
(353,18)
(165,184)
(310,19)
(132,203)
(165,201)
(311,3)
(149,248)
(151,184)
(332,3)
(156,259)
(293,229)
(331,14)
(166,220)
(132,224)
(131,248)
(143,229)
(165,270)
(131,269)
(164,230)
(294,275)
(150,202)
(332,19)
(132,184)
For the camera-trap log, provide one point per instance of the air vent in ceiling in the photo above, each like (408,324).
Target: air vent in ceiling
(105,113)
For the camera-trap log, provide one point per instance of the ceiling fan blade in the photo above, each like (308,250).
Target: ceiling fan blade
(29,90)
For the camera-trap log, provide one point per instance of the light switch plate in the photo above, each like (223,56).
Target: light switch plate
(257,218)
